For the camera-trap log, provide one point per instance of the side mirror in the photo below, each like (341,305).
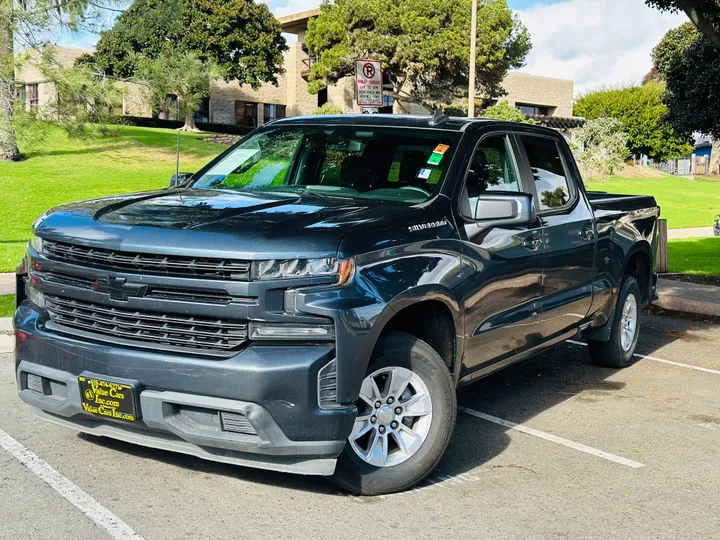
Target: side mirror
(179,178)
(505,209)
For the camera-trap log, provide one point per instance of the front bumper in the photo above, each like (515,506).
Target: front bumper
(182,398)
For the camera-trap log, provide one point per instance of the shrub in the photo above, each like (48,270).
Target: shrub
(328,108)
(600,147)
(505,111)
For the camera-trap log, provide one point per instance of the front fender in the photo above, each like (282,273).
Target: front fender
(381,287)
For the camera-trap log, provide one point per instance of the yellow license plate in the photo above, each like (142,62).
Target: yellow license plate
(107,398)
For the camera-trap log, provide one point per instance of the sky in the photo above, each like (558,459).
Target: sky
(593,42)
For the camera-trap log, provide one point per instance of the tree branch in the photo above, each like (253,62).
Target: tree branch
(697,11)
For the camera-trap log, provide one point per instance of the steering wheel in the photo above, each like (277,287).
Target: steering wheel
(415,188)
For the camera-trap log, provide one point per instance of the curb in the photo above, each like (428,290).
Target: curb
(683,305)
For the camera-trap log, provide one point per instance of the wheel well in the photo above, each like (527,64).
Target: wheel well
(638,266)
(430,321)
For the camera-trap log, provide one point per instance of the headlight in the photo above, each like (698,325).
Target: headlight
(37,243)
(277,269)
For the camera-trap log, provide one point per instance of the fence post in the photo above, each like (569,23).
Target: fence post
(662,246)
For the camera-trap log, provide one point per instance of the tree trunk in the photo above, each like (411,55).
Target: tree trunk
(715,157)
(189,122)
(8,143)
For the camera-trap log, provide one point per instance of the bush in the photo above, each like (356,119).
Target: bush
(142,121)
(600,147)
(328,108)
(505,111)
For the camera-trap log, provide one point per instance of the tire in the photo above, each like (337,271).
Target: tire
(396,355)
(616,353)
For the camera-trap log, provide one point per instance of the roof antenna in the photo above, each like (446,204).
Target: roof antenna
(177,168)
(438,118)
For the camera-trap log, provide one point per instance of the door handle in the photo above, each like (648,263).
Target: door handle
(586,233)
(532,243)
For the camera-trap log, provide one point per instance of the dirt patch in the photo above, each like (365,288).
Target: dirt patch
(630,171)
(694,278)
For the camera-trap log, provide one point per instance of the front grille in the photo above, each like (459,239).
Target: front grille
(155,292)
(166,265)
(180,333)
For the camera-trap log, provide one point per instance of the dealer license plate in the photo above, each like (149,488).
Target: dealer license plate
(109,399)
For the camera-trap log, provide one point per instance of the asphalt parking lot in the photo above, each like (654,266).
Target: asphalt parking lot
(550,448)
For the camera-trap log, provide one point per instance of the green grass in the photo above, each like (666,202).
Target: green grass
(684,202)
(7,305)
(66,170)
(694,256)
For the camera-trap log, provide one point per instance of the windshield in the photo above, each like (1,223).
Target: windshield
(396,164)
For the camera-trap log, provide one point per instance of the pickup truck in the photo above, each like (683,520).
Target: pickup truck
(311,299)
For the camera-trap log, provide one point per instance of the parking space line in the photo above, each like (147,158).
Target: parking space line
(100,515)
(553,438)
(655,359)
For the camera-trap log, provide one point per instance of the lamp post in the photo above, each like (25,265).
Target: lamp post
(473,47)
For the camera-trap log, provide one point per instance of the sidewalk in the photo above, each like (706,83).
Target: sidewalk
(688,297)
(7,284)
(7,340)
(692,232)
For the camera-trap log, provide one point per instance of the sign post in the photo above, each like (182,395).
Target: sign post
(368,84)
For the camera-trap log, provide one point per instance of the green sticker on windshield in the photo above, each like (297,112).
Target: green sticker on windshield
(435,158)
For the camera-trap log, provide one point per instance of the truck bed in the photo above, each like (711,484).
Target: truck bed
(601,200)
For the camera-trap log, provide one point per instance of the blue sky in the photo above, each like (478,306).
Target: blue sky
(593,42)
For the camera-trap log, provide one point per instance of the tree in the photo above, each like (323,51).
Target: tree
(20,24)
(505,111)
(600,147)
(689,64)
(705,14)
(183,75)
(642,113)
(239,36)
(424,45)
(328,108)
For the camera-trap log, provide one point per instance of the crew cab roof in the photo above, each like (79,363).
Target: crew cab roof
(451,123)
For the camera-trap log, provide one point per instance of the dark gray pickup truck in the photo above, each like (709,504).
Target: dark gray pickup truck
(311,299)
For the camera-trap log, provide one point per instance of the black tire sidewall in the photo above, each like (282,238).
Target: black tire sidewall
(402,350)
(611,353)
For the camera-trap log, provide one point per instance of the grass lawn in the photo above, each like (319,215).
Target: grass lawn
(684,202)
(694,256)
(7,305)
(67,170)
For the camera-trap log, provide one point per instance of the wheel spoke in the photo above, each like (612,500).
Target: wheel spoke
(411,441)
(417,406)
(361,431)
(399,382)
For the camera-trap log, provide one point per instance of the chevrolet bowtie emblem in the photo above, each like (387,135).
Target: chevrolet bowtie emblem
(119,289)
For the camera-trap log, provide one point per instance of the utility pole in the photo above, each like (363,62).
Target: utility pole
(473,47)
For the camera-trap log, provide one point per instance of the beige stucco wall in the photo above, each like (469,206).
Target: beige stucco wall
(291,91)
(556,94)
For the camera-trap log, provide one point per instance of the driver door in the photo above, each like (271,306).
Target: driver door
(503,263)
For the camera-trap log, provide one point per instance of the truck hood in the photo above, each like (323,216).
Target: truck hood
(247,225)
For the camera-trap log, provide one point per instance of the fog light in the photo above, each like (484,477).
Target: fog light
(273,331)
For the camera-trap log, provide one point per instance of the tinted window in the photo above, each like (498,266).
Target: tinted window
(405,165)
(491,169)
(548,172)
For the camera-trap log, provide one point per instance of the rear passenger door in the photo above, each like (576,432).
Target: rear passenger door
(568,234)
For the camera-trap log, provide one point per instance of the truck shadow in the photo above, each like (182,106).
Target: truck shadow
(518,394)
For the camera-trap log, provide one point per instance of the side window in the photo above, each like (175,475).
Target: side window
(491,169)
(548,172)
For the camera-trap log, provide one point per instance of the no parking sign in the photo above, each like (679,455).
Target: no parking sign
(368,83)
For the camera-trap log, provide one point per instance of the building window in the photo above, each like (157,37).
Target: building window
(20,94)
(322,97)
(203,113)
(169,109)
(273,112)
(532,109)
(246,113)
(32,92)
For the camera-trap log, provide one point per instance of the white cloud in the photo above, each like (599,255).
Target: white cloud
(295,6)
(594,42)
